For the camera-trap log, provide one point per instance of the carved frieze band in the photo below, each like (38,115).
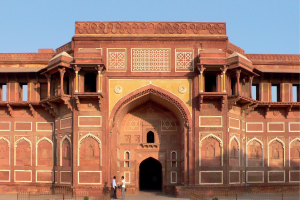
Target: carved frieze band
(150,28)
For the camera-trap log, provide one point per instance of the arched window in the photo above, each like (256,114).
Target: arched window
(150,137)
(174,157)
(127,158)
(90,82)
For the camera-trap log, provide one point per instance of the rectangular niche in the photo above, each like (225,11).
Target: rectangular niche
(294,126)
(210,121)
(254,127)
(23,126)
(211,177)
(44,176)
(4,175)
(23,176)
(234,177)
(276,126)
(89,121)
(5,126)
(45,126)
(66,123)
(276,176)
(294,176)
(234,123)
(255,176)
(89,177)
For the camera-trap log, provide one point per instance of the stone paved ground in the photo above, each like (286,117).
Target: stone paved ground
(160,196)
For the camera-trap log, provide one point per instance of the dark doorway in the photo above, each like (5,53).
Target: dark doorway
(150,174)
(150,137)
(210,83)
(90,82)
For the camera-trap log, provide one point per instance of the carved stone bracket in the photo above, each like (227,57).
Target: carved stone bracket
(67,102)
(99,101)
(54,107)
(267,110)
(223,102)
(232,102)
(10,110)
(288,109)
(48,108)
(150,145)
(33,112)
(200,102)
(249,108)
(77,103)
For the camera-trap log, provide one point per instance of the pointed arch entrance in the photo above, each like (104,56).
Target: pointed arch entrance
(150,122)
(150,176)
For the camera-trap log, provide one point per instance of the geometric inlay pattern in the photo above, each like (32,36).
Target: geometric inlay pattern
(151,60)
(184,60)
(116,59)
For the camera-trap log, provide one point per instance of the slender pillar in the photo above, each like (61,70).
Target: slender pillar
(77,69)
(99,78)
(250,85)
(62,72)
(48,76)
(223,78)
(200,77)
(186,156)
(238,75)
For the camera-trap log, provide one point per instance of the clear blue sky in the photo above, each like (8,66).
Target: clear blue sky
(257,26)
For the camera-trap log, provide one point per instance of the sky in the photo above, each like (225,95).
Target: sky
(257,26)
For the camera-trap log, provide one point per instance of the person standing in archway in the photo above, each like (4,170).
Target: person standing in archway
(114,186)
(123,188)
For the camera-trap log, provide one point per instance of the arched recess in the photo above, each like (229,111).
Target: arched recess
(43,156)
(153,93)
(283,147)
(65,151)
(160,97)
(234,138)
(220,144)
(91,136)
(262,152)
(4,150)
(23,152)
(291,155)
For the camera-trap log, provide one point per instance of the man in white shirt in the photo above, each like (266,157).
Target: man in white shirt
(114,186)
(123,188)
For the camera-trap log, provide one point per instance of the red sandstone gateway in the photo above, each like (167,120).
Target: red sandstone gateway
(163,104)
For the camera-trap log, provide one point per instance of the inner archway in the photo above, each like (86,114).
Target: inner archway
(150,174)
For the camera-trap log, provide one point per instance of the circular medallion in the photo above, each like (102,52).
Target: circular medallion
(118,89)
(140,155)
(22,112)
(182,89)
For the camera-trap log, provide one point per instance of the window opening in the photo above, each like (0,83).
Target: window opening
(66,85)
(210,83)
(173,157)
(150,137)
(232,87)
(295,91)
(255,91)
(23,91)
(3,91)
(275,88)
(127,157)
(90,82)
